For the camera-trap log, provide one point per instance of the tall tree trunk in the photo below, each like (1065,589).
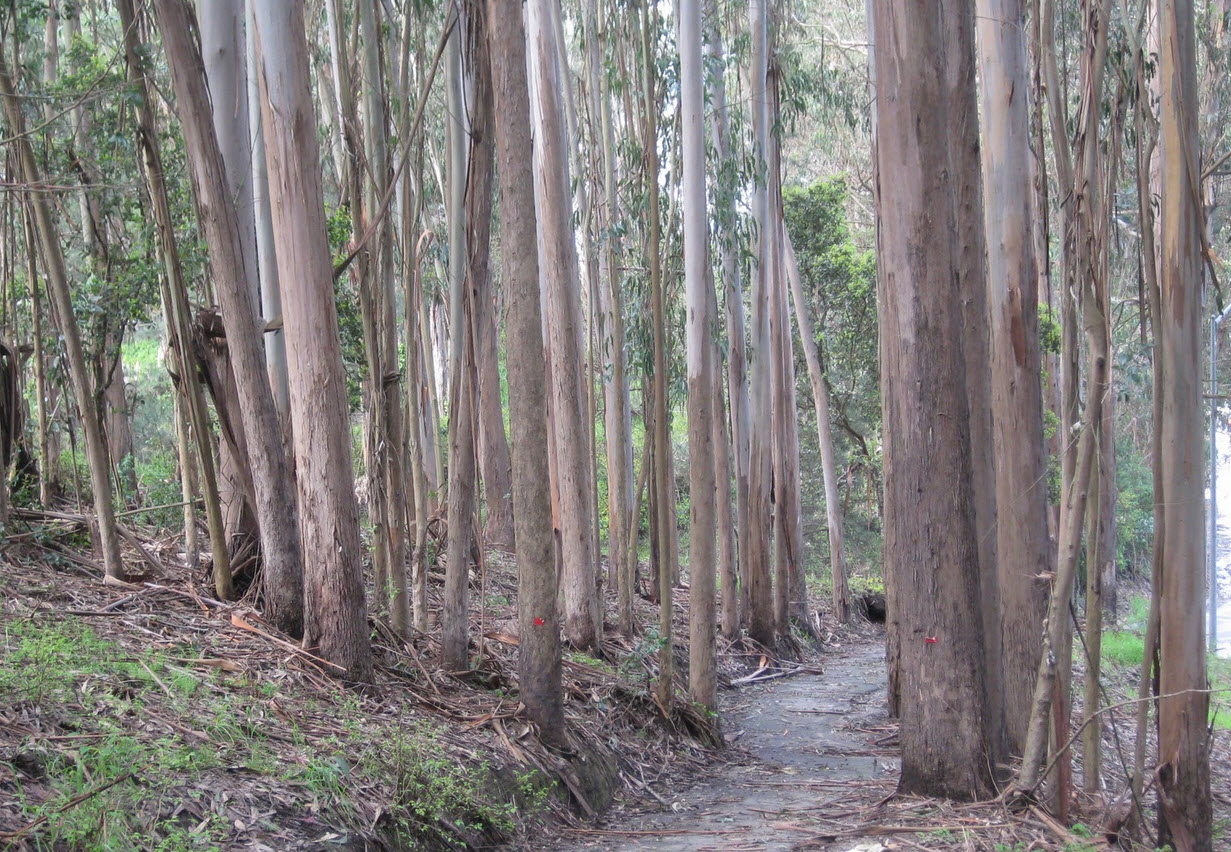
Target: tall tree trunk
(385,380)
(727,200)
(539,664)
(824,432)
(267,261)
(335,614)
(620,521)
(702,687)
(494,461)
(1184,705)
(272,481)
(455,653)
(558,265)
(660,504)
(932,558)
(57,284)
(760,616)
(1023,548)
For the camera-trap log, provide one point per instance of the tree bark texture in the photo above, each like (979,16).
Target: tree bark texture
(539,662)
(1183,715)
(335,613)
(1023,549)
(931,536)
(558,266)
(272,481)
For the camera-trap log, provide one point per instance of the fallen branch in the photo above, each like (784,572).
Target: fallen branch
(238,621)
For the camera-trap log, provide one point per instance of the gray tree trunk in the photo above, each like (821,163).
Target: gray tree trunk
(335,614)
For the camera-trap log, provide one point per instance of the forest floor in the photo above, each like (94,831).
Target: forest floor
(146,715)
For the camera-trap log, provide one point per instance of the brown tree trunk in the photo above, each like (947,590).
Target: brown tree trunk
(760,614)
(494,461)
(932,558)
(582,612)
(539,664)
(1023,548)
(699,296)
(735,591)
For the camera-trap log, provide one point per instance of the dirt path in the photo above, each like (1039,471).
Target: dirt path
(802,738)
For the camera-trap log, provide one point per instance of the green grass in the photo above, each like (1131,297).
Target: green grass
(113,787)
(1125,649)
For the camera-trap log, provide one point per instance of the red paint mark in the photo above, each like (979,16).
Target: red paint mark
(538,622)
(931,640)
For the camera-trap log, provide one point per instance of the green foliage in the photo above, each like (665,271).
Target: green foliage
(1134,509)
(839,281)
(1049,331)
(432,791)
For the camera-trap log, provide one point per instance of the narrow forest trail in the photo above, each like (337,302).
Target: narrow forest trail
(798,743)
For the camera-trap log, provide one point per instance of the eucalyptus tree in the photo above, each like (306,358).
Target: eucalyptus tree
(925,96)
(181,363)
(97,455)
(824,432)
(224,54)
(760,617)
(657,456)
(1184,702)
(558,267)
(335,613)
(1085,246)
(698,293)
(387,420)
(1023,549)
(726,200)
(232,257)
(539,660)
(621,524)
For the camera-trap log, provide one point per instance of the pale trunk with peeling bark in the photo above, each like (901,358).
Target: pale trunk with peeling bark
(659,441)
(1023,548)
(266,258)
(617,411)
(734,592)
(699,296)
(558,265)
(230,257)
(824,431)
(1184,705)
(335,613)
(760,615)
(462,385)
